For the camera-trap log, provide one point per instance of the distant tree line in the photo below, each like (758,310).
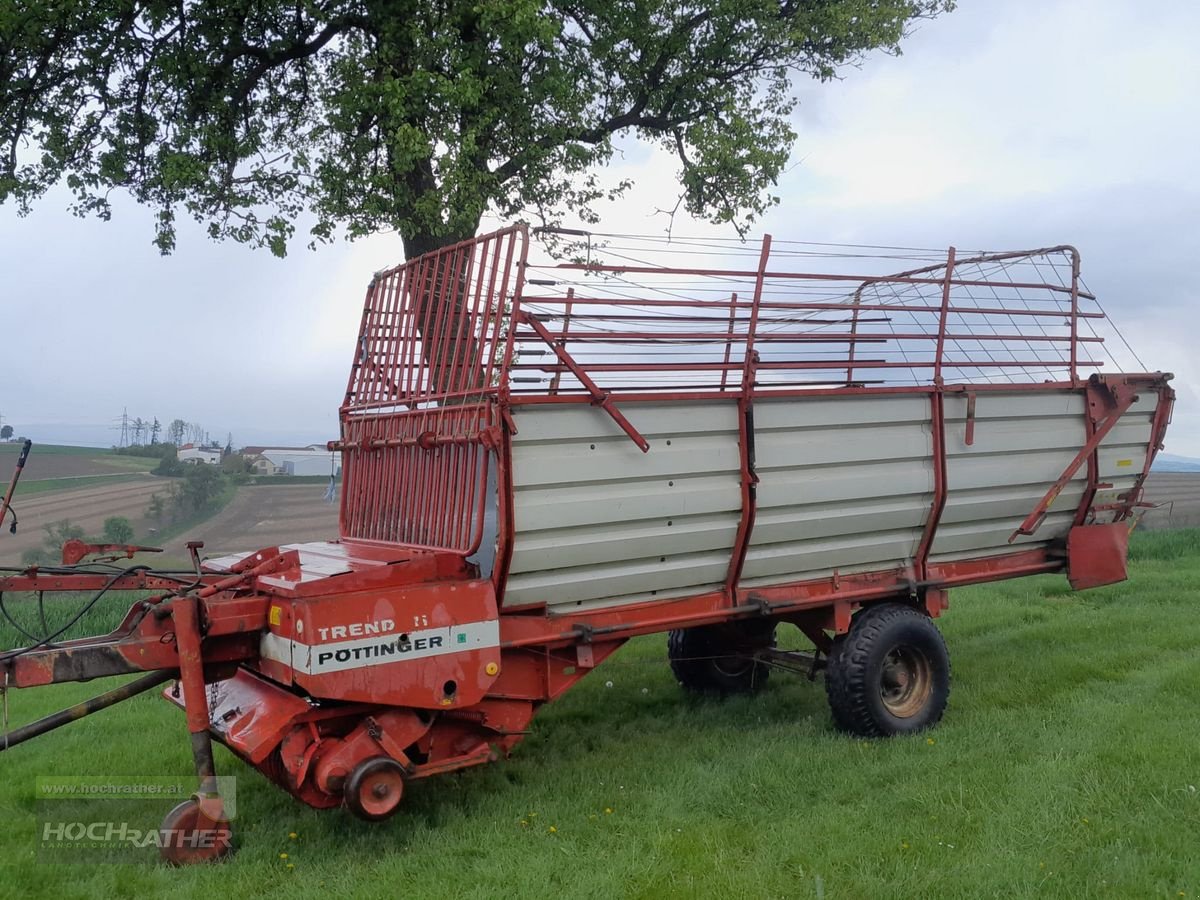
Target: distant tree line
(149,433)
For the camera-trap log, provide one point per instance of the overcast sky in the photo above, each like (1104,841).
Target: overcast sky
(1008,124)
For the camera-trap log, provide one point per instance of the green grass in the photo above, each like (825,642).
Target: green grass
(104,458)
(263,480)
(69,483)
(1067,766)
(56,449)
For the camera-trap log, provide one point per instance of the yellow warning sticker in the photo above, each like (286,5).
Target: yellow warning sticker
(1124,462)
(275,615)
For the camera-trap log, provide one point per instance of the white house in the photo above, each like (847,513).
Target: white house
(190,453)
(311,460)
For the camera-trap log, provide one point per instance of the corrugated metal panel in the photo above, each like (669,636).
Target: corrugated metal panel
(844,483)
(1023,443)
(1122,454)
(600,523)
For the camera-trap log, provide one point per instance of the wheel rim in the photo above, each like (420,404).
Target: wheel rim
(905,681)
(732,666)
(379,792)
(191,834)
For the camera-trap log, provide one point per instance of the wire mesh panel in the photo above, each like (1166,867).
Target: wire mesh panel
(649,315)
(416,421)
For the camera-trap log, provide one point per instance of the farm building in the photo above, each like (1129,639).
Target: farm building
(190,453)
(314,459)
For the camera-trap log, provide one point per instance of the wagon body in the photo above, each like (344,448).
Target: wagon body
(605,450)
(543,459)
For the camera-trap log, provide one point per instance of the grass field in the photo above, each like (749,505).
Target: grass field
(49,461)
(1067,766)
(68,483)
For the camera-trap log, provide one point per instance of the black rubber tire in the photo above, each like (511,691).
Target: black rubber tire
(855,673)
(717,659)
(355,794)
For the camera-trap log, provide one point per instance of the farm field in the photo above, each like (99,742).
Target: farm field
(53,461)
(1179,494)
(87,485)
(1066,766)
(86,503)
(264,516)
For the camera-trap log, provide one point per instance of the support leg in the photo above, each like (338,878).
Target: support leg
(196,830)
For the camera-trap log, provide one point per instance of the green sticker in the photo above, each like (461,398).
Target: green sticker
(462,637)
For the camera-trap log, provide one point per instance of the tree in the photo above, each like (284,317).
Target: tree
(176,430)
(418,117)
(6,432)
(155,508)
(155,431)
(118,530)
(201,484)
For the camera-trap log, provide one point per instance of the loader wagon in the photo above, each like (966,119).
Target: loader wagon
(543,459)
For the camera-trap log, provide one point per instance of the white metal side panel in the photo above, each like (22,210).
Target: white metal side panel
(599,523)
(1023,443)
(1123,451)
(844,483)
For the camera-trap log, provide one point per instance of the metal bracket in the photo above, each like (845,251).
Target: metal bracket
(599,398)
(969,437)
(1108,400)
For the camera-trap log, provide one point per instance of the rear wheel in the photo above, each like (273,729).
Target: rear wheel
(719,659)
(890,674)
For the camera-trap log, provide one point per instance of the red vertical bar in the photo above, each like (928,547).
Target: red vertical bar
(755,304)
(562,339)
(396,331)
(729,343)
(1074,314)
(491,330)
(435,347)
(937,428)
(853,342)
(749,479)
(354,383)
(514,315)
(942,316)
(464,366)
(416,311)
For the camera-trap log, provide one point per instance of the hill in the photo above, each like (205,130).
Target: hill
(1168,462)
